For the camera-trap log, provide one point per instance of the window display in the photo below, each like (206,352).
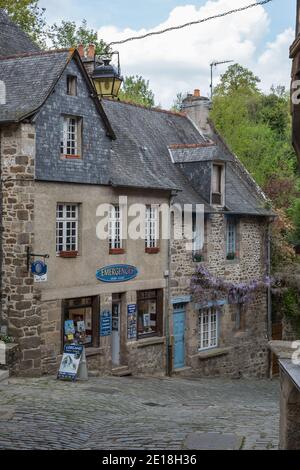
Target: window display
(78,324)
(148,313)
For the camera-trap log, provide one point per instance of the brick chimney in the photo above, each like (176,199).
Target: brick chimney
(197,107)
(91,51)
(80,49)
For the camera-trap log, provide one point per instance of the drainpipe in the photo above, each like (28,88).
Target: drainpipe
(169,346)
(269,275)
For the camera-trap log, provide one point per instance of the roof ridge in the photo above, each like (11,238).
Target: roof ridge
(38,53)
(190,146)
(158,110)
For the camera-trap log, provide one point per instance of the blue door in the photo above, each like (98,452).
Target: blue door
(179,328)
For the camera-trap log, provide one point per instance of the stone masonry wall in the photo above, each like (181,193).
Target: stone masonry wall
(20,301)
(241,352)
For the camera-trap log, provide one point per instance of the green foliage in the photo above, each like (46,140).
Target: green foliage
(176,107)
(136,90)
(294,212)
(256,126)
(67,34)
(291,307)
(29,16)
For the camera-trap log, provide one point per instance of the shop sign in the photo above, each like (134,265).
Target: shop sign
(117,273)
(40,271)
(105,323)
(131,321)
(70,362)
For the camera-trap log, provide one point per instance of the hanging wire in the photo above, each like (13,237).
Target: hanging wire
(191,23)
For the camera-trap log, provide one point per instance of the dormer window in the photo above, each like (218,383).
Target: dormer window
(217,196)
(72,85)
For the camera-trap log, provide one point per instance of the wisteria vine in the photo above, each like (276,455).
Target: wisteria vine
(207,288)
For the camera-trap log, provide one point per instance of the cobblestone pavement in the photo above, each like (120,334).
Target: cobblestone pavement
(135,413)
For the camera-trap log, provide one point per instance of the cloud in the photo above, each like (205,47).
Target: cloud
(179,61)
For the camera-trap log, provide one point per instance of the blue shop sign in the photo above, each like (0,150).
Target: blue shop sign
(39,268)
(105,323)
(117,273)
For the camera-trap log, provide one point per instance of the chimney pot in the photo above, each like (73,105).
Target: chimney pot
(80,49)
(197,93)
(91,51)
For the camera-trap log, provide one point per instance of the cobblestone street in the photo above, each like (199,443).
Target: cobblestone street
(135,413)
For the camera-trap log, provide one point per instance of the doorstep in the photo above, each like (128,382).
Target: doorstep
(181,371)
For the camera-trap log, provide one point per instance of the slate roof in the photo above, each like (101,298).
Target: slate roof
(29,79)
(197,153)
(12,39)
(140,155)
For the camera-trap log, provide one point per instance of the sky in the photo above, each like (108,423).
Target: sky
(179,61)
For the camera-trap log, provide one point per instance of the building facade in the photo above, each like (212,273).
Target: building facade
(295,56)
(69,159)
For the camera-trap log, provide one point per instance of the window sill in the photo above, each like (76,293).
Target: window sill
(91,351)
(152,251)
(211,353)
(116,251)
(71,157)
(68,254)
(142,343)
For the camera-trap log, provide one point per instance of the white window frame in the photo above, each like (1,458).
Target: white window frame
(208,329)
(67,222)
(70,136)
(152,226)
(115,227)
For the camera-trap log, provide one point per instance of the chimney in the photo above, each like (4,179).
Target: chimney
(80,49)
(91,52)
(197,108)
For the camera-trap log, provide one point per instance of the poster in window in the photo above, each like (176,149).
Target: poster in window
(152,307)
(69,327)
(147,320)
(81,326)
(131,321)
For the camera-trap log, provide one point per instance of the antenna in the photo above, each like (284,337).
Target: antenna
(212,65)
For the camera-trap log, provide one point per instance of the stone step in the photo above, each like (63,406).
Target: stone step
(182,371)
(121,371)
(4,375)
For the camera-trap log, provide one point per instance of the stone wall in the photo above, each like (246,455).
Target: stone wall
(20,300)
(289,414)
(243,351)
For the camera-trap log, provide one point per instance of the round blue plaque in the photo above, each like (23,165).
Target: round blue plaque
(39,268)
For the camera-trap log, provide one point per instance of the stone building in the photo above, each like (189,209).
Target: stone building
(65,154)
(295,56)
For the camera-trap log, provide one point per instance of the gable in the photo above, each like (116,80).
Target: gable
(12,39)
(93,166)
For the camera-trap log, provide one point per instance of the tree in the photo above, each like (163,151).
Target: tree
(136,90)
(176,107)
(237,79)
(29,16)
(67,34)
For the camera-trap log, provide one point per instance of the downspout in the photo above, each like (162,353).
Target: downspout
(169,346)
(269,328)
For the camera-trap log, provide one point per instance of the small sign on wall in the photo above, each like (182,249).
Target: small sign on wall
(40,271)
(105,323)
(131,321)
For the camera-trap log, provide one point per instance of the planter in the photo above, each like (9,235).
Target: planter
(68,254)
(152,251)
(231,256)
(116,251)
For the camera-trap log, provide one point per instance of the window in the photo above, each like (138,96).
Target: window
(150,313)
(217,184)
(67,228)
(152,229)
(231,238)
(115,229)
(72,85)
(71,137)
(80,321)
(208,329)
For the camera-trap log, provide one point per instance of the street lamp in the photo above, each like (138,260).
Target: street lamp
(107,78)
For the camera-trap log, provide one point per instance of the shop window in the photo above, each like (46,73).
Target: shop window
(152,229)
(72,85)
(150,313)
(208,329)
(71,130)
(231,238)
(67,229)
(80,325)
(115,230)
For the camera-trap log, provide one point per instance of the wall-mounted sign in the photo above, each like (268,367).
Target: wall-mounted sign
(70,362)
(117,273)
(39,269)
(131,321)
(105,323)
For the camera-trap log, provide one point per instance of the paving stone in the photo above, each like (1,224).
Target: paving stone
(213,441)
